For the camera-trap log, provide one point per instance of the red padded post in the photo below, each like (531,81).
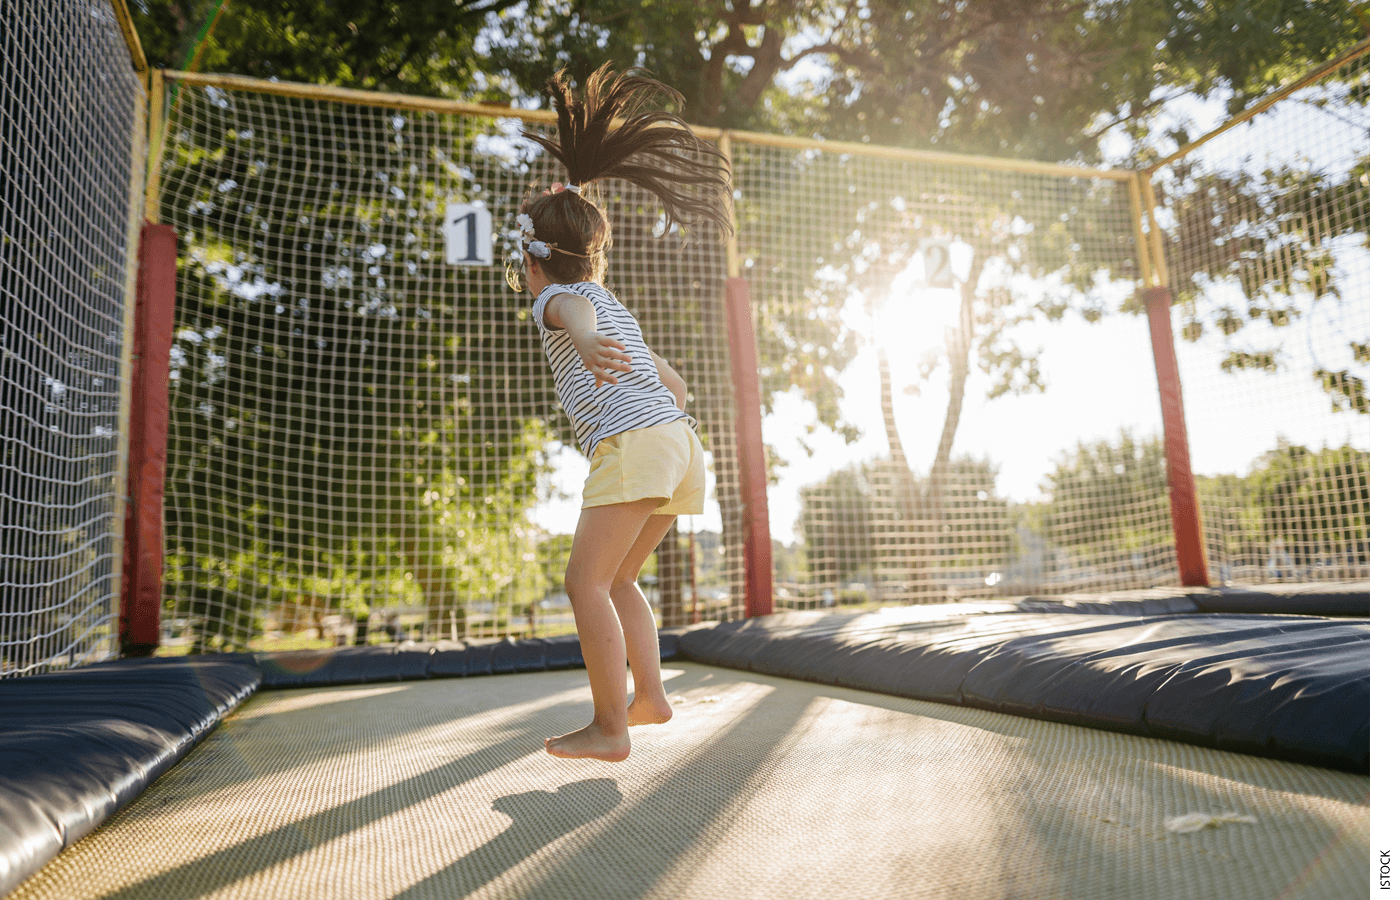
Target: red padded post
(753,469)
(1181,482)
(139,628)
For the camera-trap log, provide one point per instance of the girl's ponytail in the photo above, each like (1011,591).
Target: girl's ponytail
(606,133)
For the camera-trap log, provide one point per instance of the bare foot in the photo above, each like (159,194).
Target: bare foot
(648,711)
(590,743)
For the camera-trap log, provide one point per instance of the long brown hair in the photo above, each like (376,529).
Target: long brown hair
(607,133)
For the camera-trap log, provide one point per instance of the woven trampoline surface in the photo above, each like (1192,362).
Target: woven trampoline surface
(759,788)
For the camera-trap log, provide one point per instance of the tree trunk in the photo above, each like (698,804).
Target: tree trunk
(896,551)
(438,584)
(959,348)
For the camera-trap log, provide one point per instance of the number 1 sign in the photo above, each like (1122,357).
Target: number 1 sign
(468,232)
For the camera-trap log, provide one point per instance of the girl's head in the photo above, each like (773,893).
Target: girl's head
(605,133)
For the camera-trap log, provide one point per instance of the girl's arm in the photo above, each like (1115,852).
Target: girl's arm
(601,354)
(671,378)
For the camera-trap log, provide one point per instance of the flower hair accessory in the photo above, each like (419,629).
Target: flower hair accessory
(537,247)
(527,237)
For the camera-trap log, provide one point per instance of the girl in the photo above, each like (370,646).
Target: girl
(626,404)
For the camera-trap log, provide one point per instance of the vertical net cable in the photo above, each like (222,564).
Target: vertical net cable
(67,119)
(1267,230)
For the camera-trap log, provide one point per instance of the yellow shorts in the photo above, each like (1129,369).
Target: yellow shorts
(663,461)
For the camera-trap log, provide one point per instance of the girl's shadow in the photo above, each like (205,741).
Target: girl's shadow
(538,819)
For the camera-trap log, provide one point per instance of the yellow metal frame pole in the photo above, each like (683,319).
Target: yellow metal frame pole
(1317,74)
(133,42)
(155,145)
(1144,253)
(731,243)
(458,107)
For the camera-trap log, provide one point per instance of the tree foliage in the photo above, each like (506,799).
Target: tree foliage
(1314,505)
(1266,247)
(856,525)
(1028,78)
(1109,498)
(422,47)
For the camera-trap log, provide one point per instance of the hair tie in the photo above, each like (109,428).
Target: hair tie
(570,186)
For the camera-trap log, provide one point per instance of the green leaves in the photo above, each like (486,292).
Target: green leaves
(1345,390)
(422,47)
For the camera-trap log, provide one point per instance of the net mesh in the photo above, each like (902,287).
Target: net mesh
(938,321)
(365,440)
(67,119)
(1268,250)
(365,444)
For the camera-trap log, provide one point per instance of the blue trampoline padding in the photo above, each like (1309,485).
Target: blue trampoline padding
(77,745)
(344,665)
(1286,687)
(1111,605)
(452,660)
(1292,599)
(443,659)
(1296,600)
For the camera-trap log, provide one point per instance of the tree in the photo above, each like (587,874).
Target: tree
(354,442)
(856,526)
(1039,79)
(421,47)
(835,525)
(1263,246)
(1088,484)
(1317,502)
(1106,519)
(1295,509)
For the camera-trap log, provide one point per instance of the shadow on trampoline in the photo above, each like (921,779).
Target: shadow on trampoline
(538,819)
(267,731)
(339,713)
(246,858)
(670,828)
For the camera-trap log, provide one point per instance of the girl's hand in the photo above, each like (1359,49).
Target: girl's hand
(603,356)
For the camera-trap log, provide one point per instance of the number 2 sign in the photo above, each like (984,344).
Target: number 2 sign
(468,232)
(938,263)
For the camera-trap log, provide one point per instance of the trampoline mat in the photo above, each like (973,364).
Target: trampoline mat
(760,787)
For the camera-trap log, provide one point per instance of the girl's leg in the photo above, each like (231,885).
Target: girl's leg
(649,706)
(602,541)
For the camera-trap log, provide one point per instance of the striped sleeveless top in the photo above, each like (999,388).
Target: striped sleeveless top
(638,400)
